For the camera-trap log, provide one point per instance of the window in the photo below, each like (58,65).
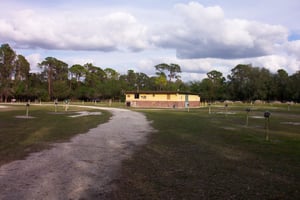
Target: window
(136,95)
(168,96)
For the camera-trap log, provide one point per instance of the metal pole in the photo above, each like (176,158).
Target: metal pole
(267,129)
(27,109)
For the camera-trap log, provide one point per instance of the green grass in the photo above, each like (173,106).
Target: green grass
(199,156)
(19,137)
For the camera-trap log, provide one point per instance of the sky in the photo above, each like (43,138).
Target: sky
(199,35)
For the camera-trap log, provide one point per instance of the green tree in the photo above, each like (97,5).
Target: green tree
(135,81)
(172,70)
(250,83)
(21,76)
(7,67)
(37,87)
(54,70)
(130,79)
(94,76)
(111,74)
(161,80)
(94,80)
(217,85)
(206,89)
(77,71)
(294,86)
(283,89)
(112,86)
(261,84)
(61,90)
(195,87)
(22,68)
(142,81)
(239,82)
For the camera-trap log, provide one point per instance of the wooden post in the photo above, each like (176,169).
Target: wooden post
(27,108)
(247,117)
(267,129)
(55,105)
(267,122)
(66,105)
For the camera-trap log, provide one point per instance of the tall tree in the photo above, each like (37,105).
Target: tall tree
(161,80)
(216,85)
(95,75)
(21,77)
(22,68)
(142,81)
(261,84)
(94,81)
(172,70)
(282,85)
(239,84)
(129,80)
(111,74)
(37,87)
(54,69)
(7,67)
(294,84)
(78,71)
(206,90)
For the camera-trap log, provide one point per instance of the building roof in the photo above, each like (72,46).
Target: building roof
(160,92)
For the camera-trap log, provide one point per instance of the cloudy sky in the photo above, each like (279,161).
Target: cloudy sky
(199,35)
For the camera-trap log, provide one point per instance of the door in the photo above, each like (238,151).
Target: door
(186,100)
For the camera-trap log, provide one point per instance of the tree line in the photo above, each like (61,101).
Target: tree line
(58,80)
(248,83)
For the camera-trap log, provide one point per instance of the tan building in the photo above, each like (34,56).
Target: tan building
(162,99)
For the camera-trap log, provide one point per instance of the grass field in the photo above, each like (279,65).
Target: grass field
(196,155)
(21,136)
(193,155)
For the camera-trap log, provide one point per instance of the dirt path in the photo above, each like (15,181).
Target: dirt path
(84,168)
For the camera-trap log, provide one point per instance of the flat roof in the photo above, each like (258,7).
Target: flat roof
(160,92)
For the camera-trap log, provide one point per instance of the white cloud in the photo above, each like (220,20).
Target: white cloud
(276,62)
(34,59)
(114,31)
(293,48)
(204,32)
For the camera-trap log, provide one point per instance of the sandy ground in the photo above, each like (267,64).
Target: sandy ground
(84,168)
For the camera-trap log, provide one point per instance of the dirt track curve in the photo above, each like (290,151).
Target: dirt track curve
(84,168)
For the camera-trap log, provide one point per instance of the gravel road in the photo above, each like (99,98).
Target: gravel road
(84,168)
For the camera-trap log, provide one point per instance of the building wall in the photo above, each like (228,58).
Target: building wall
(162,100)
(164,104)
